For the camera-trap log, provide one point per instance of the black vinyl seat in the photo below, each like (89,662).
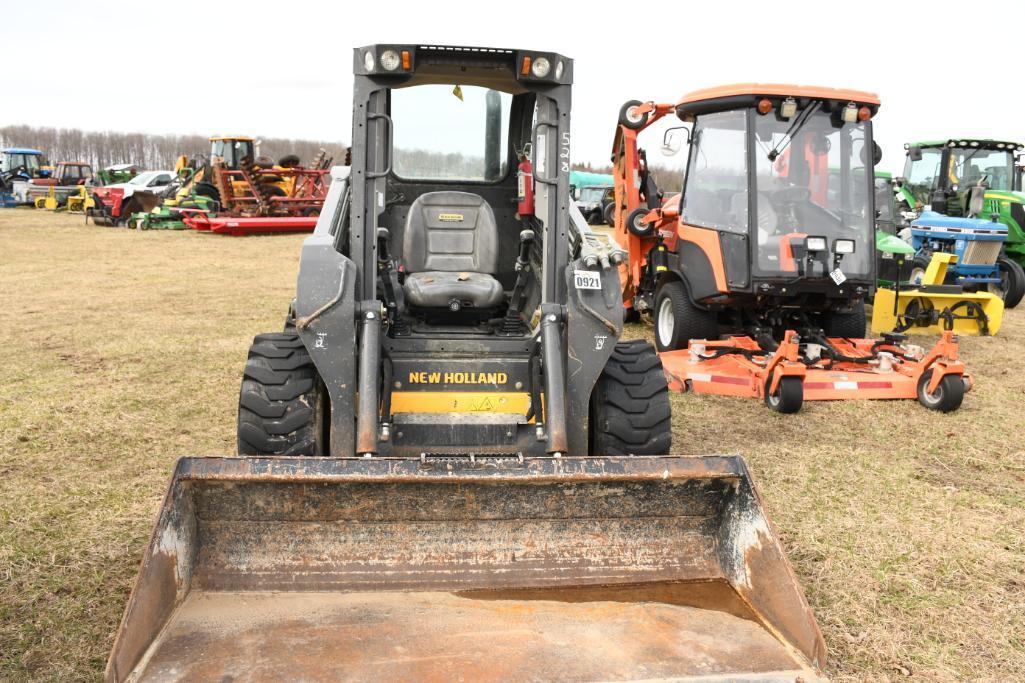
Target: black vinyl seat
(450,252)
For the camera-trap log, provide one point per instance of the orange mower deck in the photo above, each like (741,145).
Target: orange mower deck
(868,369)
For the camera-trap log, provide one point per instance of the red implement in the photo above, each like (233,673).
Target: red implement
(237,227)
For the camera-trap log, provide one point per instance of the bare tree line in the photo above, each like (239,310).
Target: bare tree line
(105,148)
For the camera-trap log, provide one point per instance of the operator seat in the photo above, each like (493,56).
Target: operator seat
(450,252)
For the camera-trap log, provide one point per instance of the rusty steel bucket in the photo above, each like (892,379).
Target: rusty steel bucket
(478,568)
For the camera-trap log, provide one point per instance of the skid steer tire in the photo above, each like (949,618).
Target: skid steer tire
(282,407)
(948,396)
(678,320)
(1012,287)
(630,413)
(847,325)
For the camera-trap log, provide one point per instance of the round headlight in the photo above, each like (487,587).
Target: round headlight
(541,67)
(558,71)
(389,60)
(368,60)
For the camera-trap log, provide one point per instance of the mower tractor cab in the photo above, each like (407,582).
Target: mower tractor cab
(18,163)
(775,225)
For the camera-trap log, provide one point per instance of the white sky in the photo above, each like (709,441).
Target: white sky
(253,68)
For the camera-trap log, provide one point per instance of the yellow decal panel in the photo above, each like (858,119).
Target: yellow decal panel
(450,216)
(460,402)
(493,378)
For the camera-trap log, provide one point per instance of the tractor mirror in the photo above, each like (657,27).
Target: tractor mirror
(915,153)
(673,139)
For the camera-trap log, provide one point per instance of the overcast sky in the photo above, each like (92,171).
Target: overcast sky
(253,68)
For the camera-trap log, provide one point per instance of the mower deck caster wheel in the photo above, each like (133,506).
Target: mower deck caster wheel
(948,395)
(789,395)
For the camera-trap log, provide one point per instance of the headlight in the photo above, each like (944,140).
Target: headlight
(850,113)
(815,243)
(558,71)
(389,60)
(541,67)
(843,246)
(368,60)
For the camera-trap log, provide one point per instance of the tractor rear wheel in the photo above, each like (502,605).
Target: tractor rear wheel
(1011,287)
(847,325)
(919,264)
(948,395)
(283,406)
(630,413)
(678,320)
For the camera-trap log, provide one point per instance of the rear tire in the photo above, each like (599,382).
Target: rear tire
(847,325)
(949,393)
(678,320)
(630,412)
(283,406)
(789,396)
(918,266)
(1012,287)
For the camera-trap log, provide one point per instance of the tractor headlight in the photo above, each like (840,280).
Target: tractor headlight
(540,67)
(389,60)
(815,244)
(368,60)
(850,113)
(843,246)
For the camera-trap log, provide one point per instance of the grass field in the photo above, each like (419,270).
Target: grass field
(124,351)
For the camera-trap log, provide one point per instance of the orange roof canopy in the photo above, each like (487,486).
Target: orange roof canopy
(780,90)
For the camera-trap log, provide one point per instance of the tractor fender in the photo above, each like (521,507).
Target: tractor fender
(676,275)
(691,266)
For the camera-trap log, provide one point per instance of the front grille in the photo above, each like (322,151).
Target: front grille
(981,253)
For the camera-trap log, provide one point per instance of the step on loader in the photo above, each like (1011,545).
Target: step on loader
(450,465)
(756,275)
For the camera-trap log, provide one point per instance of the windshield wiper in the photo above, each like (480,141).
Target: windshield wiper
(794,129)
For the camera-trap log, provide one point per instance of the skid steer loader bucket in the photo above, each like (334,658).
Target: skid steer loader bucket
(486,568)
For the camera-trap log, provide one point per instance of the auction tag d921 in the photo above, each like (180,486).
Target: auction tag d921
(586,279)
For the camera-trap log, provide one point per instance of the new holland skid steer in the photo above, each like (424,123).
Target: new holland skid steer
(451,466)
(757,274)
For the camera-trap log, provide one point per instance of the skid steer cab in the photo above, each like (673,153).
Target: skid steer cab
(497,456)
(774,229)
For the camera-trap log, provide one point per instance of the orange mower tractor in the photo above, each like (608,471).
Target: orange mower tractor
(756,275)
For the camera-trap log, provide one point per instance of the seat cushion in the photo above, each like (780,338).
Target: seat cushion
(436,289)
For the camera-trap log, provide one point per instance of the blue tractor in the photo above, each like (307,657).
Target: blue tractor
(978,245)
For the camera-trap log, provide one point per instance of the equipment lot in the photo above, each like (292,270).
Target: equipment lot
(124,351)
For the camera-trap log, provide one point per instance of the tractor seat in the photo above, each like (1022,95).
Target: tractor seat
(450,252)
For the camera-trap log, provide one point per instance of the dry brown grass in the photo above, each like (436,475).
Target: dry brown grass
(124,351)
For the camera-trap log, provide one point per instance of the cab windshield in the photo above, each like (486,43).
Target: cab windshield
(29,161)
(809,179)
(590,195)
(450,132)
(969,166)
(232,151)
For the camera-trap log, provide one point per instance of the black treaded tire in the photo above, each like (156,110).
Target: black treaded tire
(630,412)
(632,122)
(207,190)
(949,393)
(688,321)
(919,263)
(268,190)
(789,396)
(609,214)
(289,160)
(1015,282)
(282,407)
(847,325)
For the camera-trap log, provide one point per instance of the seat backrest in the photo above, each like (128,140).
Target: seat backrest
(450,232)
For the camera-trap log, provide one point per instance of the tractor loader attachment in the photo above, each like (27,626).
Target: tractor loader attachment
(932,306)
(821,369)
(492,568)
